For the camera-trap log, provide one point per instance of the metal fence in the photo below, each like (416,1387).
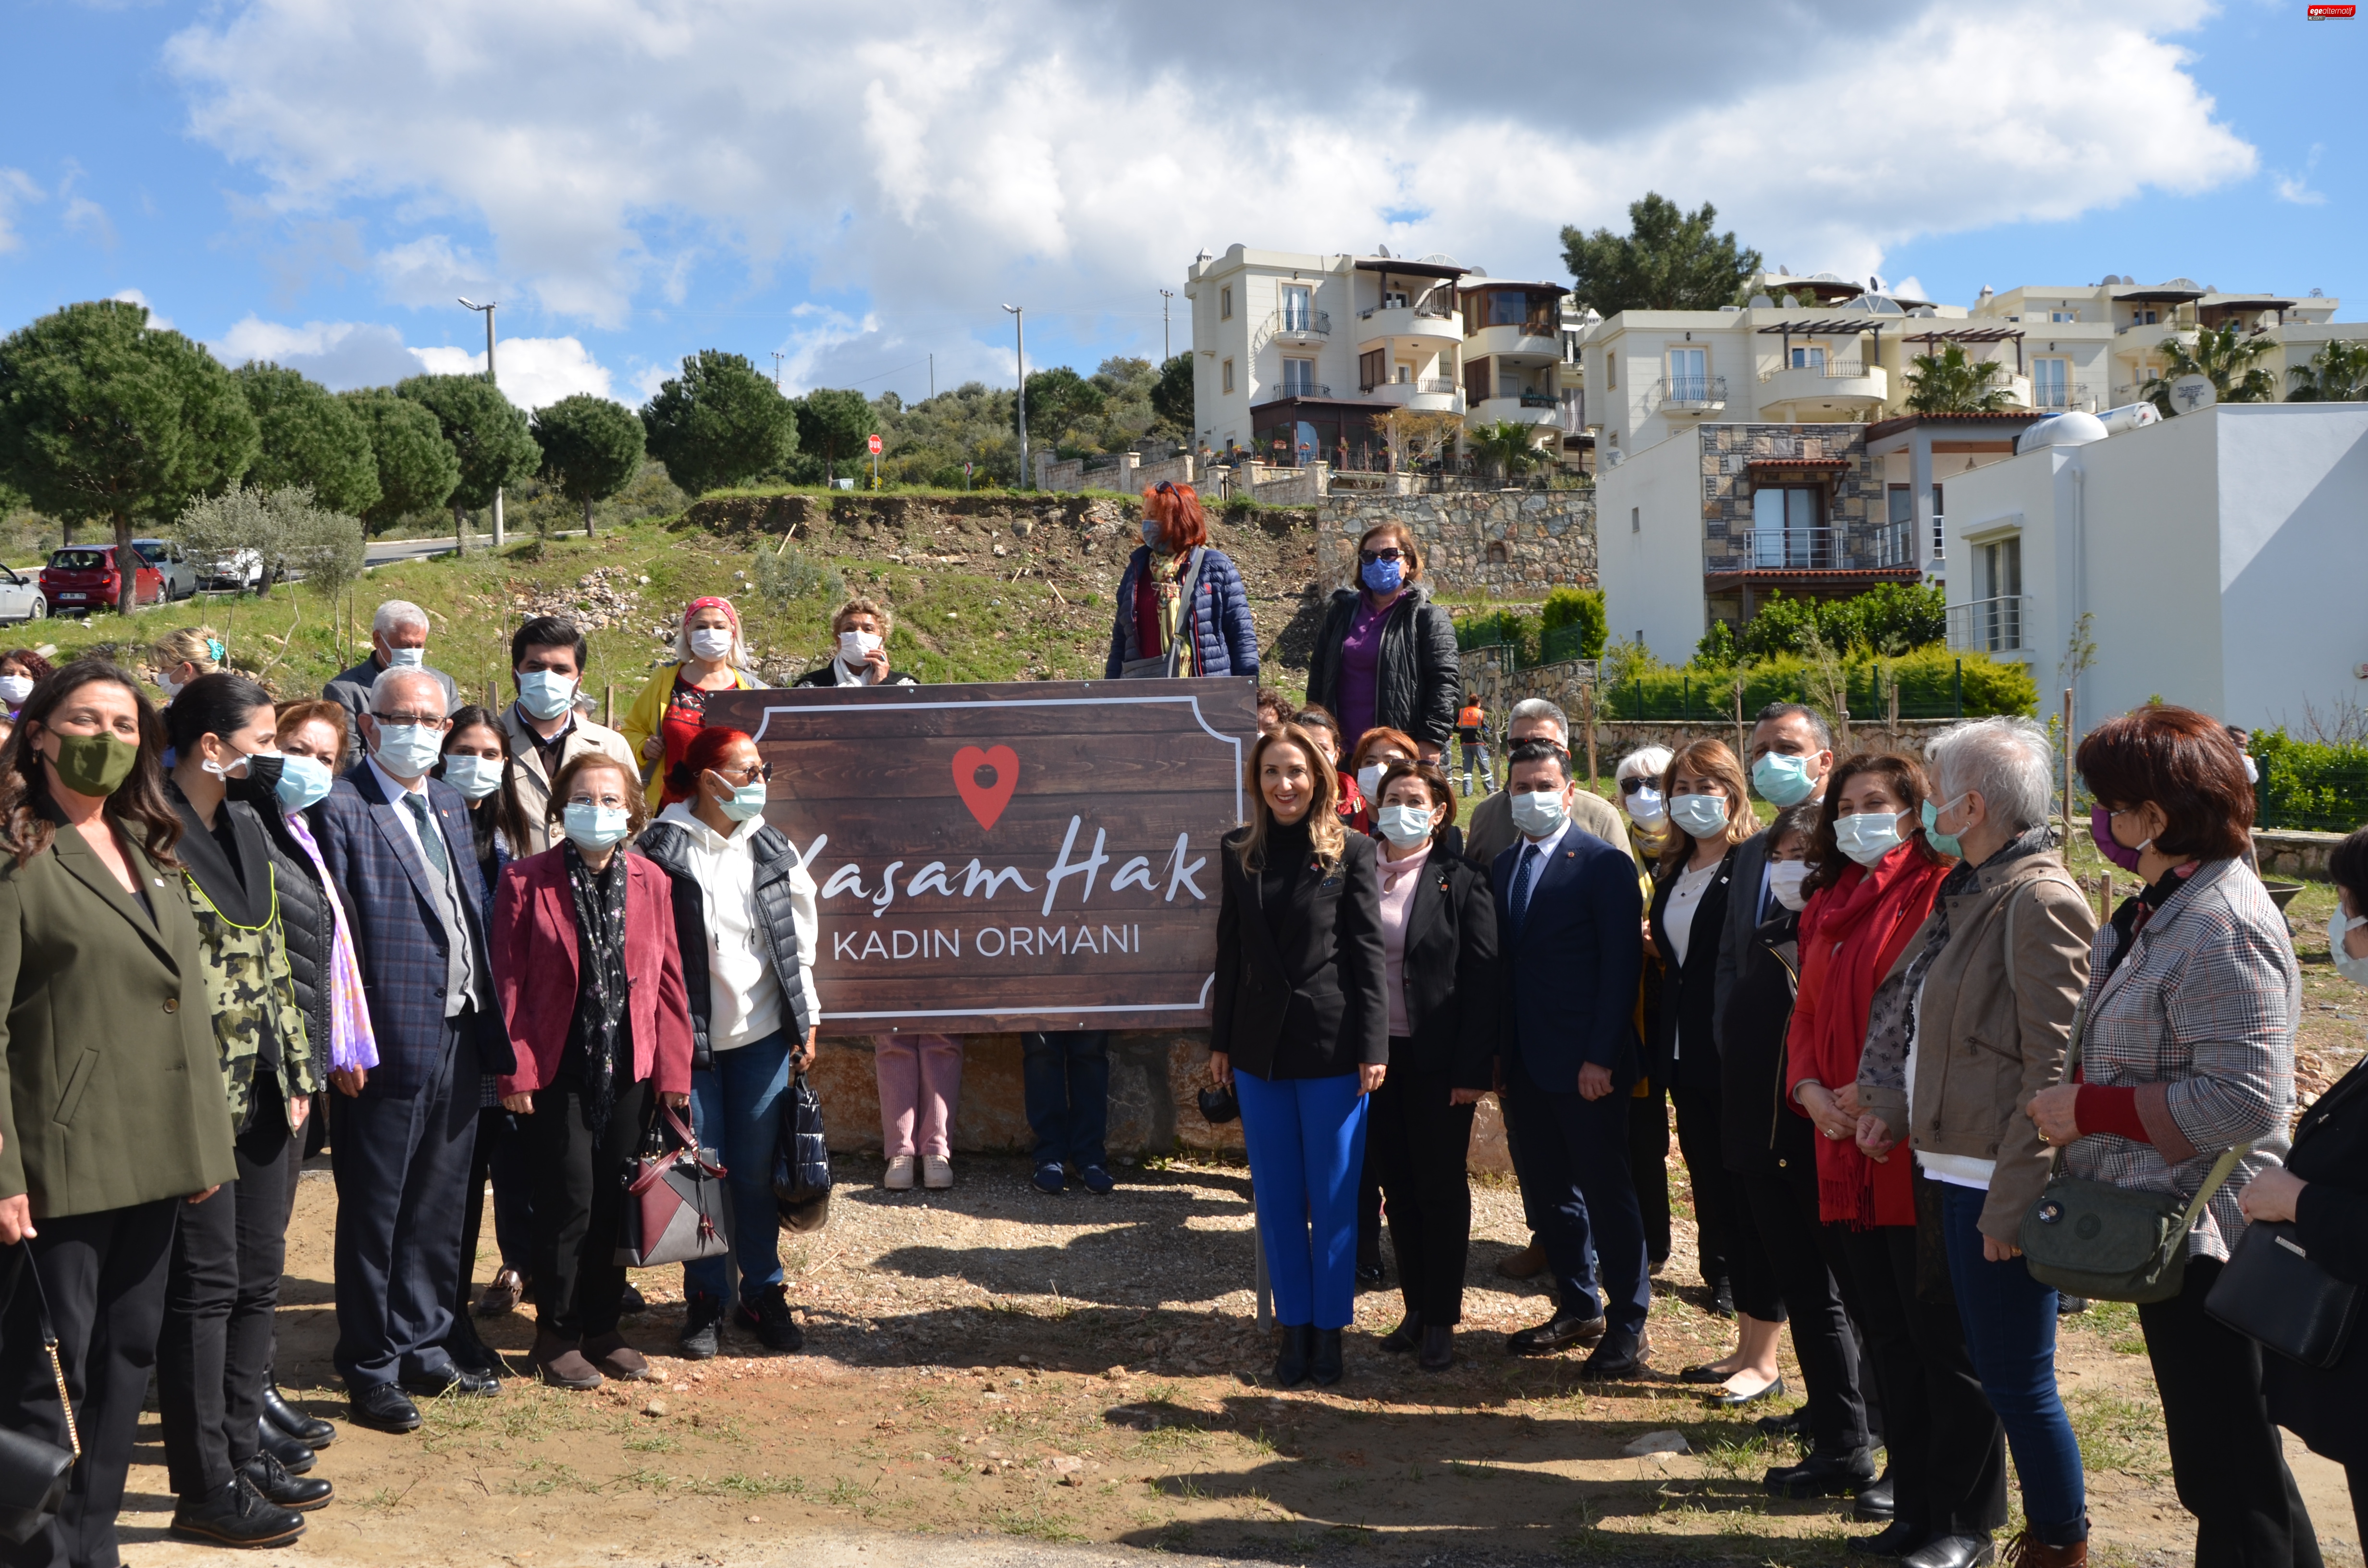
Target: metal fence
(2306,793)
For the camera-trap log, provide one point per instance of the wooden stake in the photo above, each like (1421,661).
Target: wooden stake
(609,708)
(2069,745)
(1586,711)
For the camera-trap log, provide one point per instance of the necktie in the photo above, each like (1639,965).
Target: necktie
(1523,875)
(431,840)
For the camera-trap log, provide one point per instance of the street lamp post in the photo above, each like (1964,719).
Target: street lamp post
(1020,342)
(1166,353)
(488,308)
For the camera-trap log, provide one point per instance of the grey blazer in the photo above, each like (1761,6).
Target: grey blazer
(1743,918)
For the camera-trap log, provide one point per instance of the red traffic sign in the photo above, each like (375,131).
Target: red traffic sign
(875,445)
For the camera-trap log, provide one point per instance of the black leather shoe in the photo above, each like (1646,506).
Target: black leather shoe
(1613,1360)
(455,1382)
(1402,1340)
(235,1514)
(1370,1277)
(1562,1334)
(1298,1347)
(1896,1538)
(1324,1362)
(1722,1299)
(1824,1475)
(768,1318)
(1727,1400)
(382,1407)
(1792,1424)
(1705,1373)
(631,1303)
(294,1457)
(308,1430)
(1951,1551)
(1874,1502)
(1438,1347)
(301,1493)
(702,1316)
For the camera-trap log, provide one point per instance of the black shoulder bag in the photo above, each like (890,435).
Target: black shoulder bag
(34,1473)
(2270,1290)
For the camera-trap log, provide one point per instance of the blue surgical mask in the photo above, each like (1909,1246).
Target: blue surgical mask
(1537,813)
(1406,826)
(474,777)
(546,694)
(1383,576)
(1946,842)
(595,827)
(1699,816)
(747,801)
(1868,837)
(2338,925)
(303,781)
(408,751)
(1150,534)
(406,658)
(1782,780)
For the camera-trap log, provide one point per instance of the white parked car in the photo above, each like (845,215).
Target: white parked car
(236,573)
(20,597)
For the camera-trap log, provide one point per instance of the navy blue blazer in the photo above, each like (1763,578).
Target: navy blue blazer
(398,935)
(1570,969)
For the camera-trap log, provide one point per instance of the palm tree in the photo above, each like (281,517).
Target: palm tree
(1505,447)
(2337,373)
(2228,357)
(1951,383)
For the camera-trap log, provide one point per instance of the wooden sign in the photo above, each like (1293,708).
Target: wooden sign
(1036,855)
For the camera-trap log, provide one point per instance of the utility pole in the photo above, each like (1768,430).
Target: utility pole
(777,357)
(1165,353)
(487,309)
(933,375)
(1020,343)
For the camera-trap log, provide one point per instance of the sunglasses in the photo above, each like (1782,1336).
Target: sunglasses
(1630,786)
(1370,556)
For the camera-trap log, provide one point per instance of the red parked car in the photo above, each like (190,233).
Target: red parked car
(82,578)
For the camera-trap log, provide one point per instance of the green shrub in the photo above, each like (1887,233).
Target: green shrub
(786,574)
(2320,785)
(1570,625)
(1718,648)
(1926,680)
(1892,618)
(1581,609)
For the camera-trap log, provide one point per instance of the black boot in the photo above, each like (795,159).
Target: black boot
(1438,1346)
(1325,1361)
(1401,1340)
(1826,1475)
(235,1514)
(302,1493)
(1874,1502)
(295,1457)
(308,1430)
(1298,1345)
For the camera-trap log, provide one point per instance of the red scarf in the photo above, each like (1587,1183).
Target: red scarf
(1852,933)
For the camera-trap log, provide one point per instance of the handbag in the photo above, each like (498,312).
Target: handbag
(801,1179)
(2270,1290)
(35,1472)
(1162,667)
(675,1207)
(2115,1244)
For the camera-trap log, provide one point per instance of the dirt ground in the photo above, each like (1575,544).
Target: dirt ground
(1088,1371)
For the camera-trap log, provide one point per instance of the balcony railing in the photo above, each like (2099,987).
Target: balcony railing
(2066,395)
(1539,399)
(1990,626)
(1796,549)
(1418,385)
(1895,544)
(1832,369)
(1680,393)
(1289,322)
(1302,389)
(1435,313)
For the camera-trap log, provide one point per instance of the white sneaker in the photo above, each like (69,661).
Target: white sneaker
(900,1175)
(937,1173)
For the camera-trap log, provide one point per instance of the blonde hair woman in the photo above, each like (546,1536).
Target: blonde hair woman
(180,657)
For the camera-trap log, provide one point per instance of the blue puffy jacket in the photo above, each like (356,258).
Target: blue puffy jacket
(1222,633)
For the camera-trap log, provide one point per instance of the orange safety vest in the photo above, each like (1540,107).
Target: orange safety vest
(1470,718)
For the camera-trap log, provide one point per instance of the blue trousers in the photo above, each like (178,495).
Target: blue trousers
(1306,1139)
(1065,1083)
(1572,1165)
(2009,1322)
(736,1108)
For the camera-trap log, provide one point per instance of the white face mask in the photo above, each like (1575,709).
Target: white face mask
(1644,808)
(2253,771)
(474,777)
(1868,837)
(854,647)
(1537,813)
(1784,880)
(406,658)
(1369,778)
(14,689)
(1405,826)
(711,641)
(2338,925)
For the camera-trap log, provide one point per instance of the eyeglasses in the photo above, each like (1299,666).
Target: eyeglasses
(763,771)
(408,717)
(1630,786)
(1370,556)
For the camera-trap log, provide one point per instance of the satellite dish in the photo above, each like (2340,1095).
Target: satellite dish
(2073,430)
(1382,251)
(2188,394)
(1763,303)
(1791,304)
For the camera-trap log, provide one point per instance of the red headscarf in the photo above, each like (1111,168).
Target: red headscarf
(1852,933)
(712,603)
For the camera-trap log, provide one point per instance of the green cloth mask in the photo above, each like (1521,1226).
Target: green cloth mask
(94,764)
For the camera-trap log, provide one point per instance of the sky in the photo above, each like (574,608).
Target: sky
(848,196)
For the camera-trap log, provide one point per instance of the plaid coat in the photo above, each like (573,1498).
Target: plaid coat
(2200,1018)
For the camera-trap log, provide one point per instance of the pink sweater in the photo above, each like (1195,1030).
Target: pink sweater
(1399,879)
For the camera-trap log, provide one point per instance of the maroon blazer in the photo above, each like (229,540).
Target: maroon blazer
(535,971)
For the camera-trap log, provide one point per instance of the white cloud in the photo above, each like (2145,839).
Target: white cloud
(942,158)
(2295,187)
(89,219)
(17,189)
(534,370)
(134,297)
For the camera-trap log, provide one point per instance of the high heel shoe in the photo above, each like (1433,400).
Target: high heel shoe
(1325,1364)
(1291,1365)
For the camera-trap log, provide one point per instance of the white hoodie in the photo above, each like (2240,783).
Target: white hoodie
(744,991)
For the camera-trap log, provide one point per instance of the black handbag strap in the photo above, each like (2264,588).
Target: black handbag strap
(27,1268)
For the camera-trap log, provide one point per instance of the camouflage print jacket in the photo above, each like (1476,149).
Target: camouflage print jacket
(249,989)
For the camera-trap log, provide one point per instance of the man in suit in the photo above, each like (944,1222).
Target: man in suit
(1792,756)
(398,641)
(1570,918)
(543,728)
(400,851)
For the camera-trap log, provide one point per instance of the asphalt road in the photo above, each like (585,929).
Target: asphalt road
(383,551)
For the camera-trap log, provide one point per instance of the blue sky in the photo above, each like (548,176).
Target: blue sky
(635,180)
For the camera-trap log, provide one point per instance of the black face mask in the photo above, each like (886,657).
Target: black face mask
(259,784)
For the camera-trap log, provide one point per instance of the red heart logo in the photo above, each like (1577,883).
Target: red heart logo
(986,801)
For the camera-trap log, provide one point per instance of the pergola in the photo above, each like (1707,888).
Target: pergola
(1974,334)
(1827,326)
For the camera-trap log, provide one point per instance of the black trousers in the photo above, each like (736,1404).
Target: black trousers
(579,1208)
(2228,1459)
(1420,1143)
(1571,1165)
(105,1276)
(1368,1212)
(1946,1449)
(1805,1254)
(401,1164)
(1716,1218)
(215,1351)
(1648,1168)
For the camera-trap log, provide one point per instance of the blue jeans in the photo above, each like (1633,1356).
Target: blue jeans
(1307,1139)
(1067,1085)
(2009,1322)
(735,1107)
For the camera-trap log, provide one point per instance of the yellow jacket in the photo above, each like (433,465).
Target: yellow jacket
(648,713)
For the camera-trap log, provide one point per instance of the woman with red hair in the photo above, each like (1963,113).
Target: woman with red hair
(709,655)
(1181,608)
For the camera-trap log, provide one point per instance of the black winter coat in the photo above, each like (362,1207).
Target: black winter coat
(306,920)
(1685,1047)
(2330,1153)
(1450,974)
(1417,686)
(1759,1134)
(666,843)
(1308,974)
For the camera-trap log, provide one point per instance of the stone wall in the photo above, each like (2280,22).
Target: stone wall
(1509,544)
(1130,475)
(1856,500)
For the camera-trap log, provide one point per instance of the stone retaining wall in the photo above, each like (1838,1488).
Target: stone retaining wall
(1512,544)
